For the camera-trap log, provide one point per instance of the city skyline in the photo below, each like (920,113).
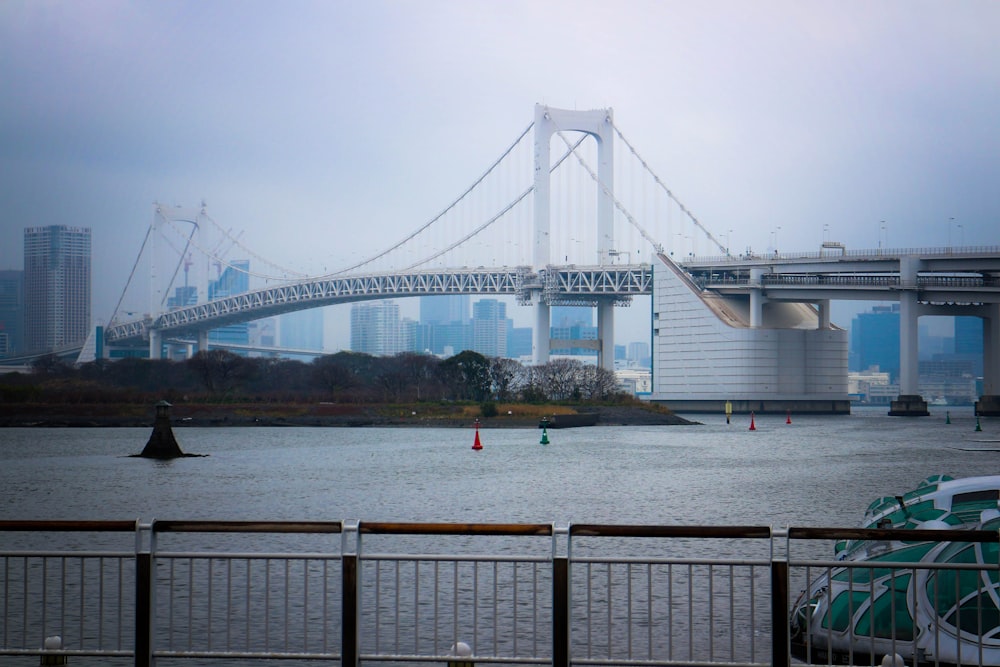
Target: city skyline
(778,124)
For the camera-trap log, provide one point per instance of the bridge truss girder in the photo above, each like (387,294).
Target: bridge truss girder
(554,285)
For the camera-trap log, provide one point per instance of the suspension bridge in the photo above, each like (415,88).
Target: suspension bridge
(555,220)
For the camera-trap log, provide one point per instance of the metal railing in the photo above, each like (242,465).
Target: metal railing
(211,592)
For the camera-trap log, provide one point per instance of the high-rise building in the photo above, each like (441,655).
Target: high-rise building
(489,327)
(11,312)
(302,330)
(969,341)
(234,279)
(875,340)
(444,309)
(375,328)
(56,287)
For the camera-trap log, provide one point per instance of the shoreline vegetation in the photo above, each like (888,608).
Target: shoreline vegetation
(328,414)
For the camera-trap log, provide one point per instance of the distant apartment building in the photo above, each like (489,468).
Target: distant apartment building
(57,286)
(11,313)
(376,328)
(489,327)
(875,340)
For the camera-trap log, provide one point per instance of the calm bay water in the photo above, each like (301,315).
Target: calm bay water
(817,471)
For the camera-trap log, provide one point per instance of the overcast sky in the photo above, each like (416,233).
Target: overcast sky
(314,127)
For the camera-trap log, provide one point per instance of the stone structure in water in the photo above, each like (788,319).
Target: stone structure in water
(161,443)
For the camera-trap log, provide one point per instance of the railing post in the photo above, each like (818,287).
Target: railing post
(560,612)
(143,609)
(779,613)
(349,612)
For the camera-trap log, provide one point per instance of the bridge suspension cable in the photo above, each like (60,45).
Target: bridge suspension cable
(444,211)
(684,209)
(497,216)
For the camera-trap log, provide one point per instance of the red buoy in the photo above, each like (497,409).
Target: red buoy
(788,419)
(477,444)
(752,427)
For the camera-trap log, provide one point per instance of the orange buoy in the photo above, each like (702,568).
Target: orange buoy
(788,418)
(752,427)
(477,444)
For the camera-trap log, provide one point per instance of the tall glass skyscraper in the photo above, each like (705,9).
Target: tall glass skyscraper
(11,312)
(56,287)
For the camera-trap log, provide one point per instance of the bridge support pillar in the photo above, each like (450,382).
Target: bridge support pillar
(988,404)
(203,341)
(606,334)
(757,298)
(155,344)
(823,310)
(540,349)
(909,403)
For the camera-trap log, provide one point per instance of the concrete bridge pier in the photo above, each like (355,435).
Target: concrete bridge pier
(909,403)
(155,344)
(988,404)
(606,334)
(203,340)
(540,348)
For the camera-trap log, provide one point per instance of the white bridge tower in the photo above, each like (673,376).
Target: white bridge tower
(598,123)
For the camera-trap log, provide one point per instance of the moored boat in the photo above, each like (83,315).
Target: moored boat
(945,611)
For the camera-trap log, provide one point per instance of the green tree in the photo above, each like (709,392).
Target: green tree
(466,375)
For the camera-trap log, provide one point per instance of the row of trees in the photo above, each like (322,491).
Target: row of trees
(341,377)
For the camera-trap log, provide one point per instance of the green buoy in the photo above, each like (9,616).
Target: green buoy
(545,432)
(947,417)
(978,427)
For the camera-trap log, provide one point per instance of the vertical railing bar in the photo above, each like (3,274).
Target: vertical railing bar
(6,597)
(609,598)
(534,609)
(590,610)
(190,614)
(267,605)
(170,604)
(349,609)
(416,607)
(288,591)
(100,604)
(779,613)
(246,606)
(208,613)
(62,599)
(144,612)
(397,619)
(892,613)
(436,605)
(670,611)
(24,600)
(649,611)
(378,604)
(229,604)
(711,612)
(628,609)
(305,604)
(325,626)
(690,569)
(121,599)
(45,596)
(475,604)
(871,607)
(560,612)
(732,613)
(753,613)
(496,594)
(979,610)
(454,614)
(83,596)
(514,599)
